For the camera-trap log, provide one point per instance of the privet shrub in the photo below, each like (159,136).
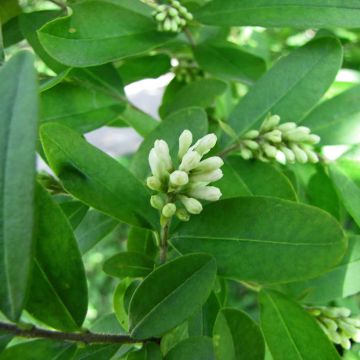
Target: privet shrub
(243,224)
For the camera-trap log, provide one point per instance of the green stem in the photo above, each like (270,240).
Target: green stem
(189,36)
(164,242)
(251,286)
(228,150)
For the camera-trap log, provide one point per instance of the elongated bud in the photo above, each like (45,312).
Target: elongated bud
(162,152)
(289,155)
(273,136)
(153,183)
(185,141)
(190,161)
(157,202)
(330,324)
(169,210)
(356,337)
(182,215)
(299,134)
(173,12)
(210,176)
(252,145)
(270,123)
(179,178)
(205,144)
(313,139)
(269,150)
(209,193)
(300,154)
(246,153)
(192,205)
(252,134)
(212,163)
(287,126)
(345,343)
(312,156)
(157,166)
(167,24)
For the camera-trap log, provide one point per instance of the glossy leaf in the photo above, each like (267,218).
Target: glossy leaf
(150,351)
(337,120)
(95,178)
(309,70)
(199,348)
(74,211)
(290,332)
(78,43)
(237,337)
(18,125)
(193,119)
(162,300)
(8,10)
(231,62)
(280,13)
(128,264)
(58,294)
(119,303)
(142,241)
(246,234)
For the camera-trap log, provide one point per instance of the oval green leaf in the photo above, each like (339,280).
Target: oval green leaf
(162,300)
(290,332)
(246,234)
(150,351)
(199,348)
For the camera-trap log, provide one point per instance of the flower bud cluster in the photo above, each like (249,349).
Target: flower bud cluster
(188,71)
(338,324)
(179,188)
(273,140)
(172,17)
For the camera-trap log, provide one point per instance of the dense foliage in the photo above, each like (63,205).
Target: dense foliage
(233,232)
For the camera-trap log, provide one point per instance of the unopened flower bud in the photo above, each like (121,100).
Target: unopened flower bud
(169,210)
(345,343)
(185,141)
(209,193)
(270,123)
(210,176)
(190,160)
(157,202)
(162,152)
(173,12)
(273,136)
(157,166)
(153,183)
(252,145)
(289,155)
(212,163)
(246,153)
(300,154)
(287,126)
(269,150)
(252,134)
(179,178)
(298,134)
(205,144)
(313,139)
(312,156)
(192,205)
(182,215)
(160,16)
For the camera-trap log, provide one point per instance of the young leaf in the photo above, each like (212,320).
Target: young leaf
(237,337)
(280,13)
(58,294)
(228,61)
(342,281)
(150,351)
(129,264)
(119,303)
(193,119)
(199,348)
(162,300)
(309,70)
(95,178)
(18,133)
(290,332)
(75,42)
(246,234)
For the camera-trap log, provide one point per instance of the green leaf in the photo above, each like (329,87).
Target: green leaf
(144,67)
(246,234)
(237,336)
(193,119)
(142,241)
(58,294)
(150,351)
(280,13)
(8,10)
(18,125)
(309,70)
(199,348)
(119,303)
(129,264)
(230,62)
(4,340)
(96,352)
(95,178)
(29,24)
(75,42)
(74,210)
(93,228)
(261,179)
(40,349)
(340,282)
(337,120)
(347,190)
(290,332)
(201,93)
(162,300)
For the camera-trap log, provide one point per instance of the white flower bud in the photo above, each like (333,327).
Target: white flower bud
(169,210)
(190,161)
(270,123)
(353,321)
(300,154)
(162,152)
(246,153)
(252,145)
(182,215)
(287,126)
(193,206)
(345,343)
(312,156)
(209,193)
(299,134)
(252,134)
(205,144)
(157,202)
(179,178)
(158,167)
(269,150)
(313,139)
(212,163)
(349,330)
(210,176)
(330,324)
(185,141)
(273,136)
(356,337)
(289,155)
(153,183)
